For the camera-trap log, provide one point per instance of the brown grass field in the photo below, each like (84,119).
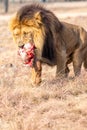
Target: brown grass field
(54,105)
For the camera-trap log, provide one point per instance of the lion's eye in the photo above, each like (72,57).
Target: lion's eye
(25,33)
(16,34)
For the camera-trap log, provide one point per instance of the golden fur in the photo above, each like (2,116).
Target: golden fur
(57,43)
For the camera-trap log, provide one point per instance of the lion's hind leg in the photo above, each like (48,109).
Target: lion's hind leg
(77,62)
(67,71)
(84,55)
(85,61)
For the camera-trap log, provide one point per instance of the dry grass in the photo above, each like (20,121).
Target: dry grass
(54,105)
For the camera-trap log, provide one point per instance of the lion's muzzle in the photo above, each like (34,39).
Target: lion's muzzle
(20,46)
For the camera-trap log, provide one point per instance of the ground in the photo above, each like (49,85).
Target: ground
(55,104)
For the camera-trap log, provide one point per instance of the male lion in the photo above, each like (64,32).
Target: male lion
(57,43)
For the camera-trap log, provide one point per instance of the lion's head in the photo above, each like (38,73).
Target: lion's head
(28,29)
(36,24)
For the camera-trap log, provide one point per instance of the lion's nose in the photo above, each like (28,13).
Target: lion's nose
(20,44)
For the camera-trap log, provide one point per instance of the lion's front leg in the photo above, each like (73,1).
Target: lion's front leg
(62,67)
(61,71)
(36,73)
(77,62)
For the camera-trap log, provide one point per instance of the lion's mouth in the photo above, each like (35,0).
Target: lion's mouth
(27,53)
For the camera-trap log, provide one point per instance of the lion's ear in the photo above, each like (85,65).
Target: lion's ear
(37,17)
(13,22)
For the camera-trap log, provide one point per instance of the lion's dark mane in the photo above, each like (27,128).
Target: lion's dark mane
(52,27)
